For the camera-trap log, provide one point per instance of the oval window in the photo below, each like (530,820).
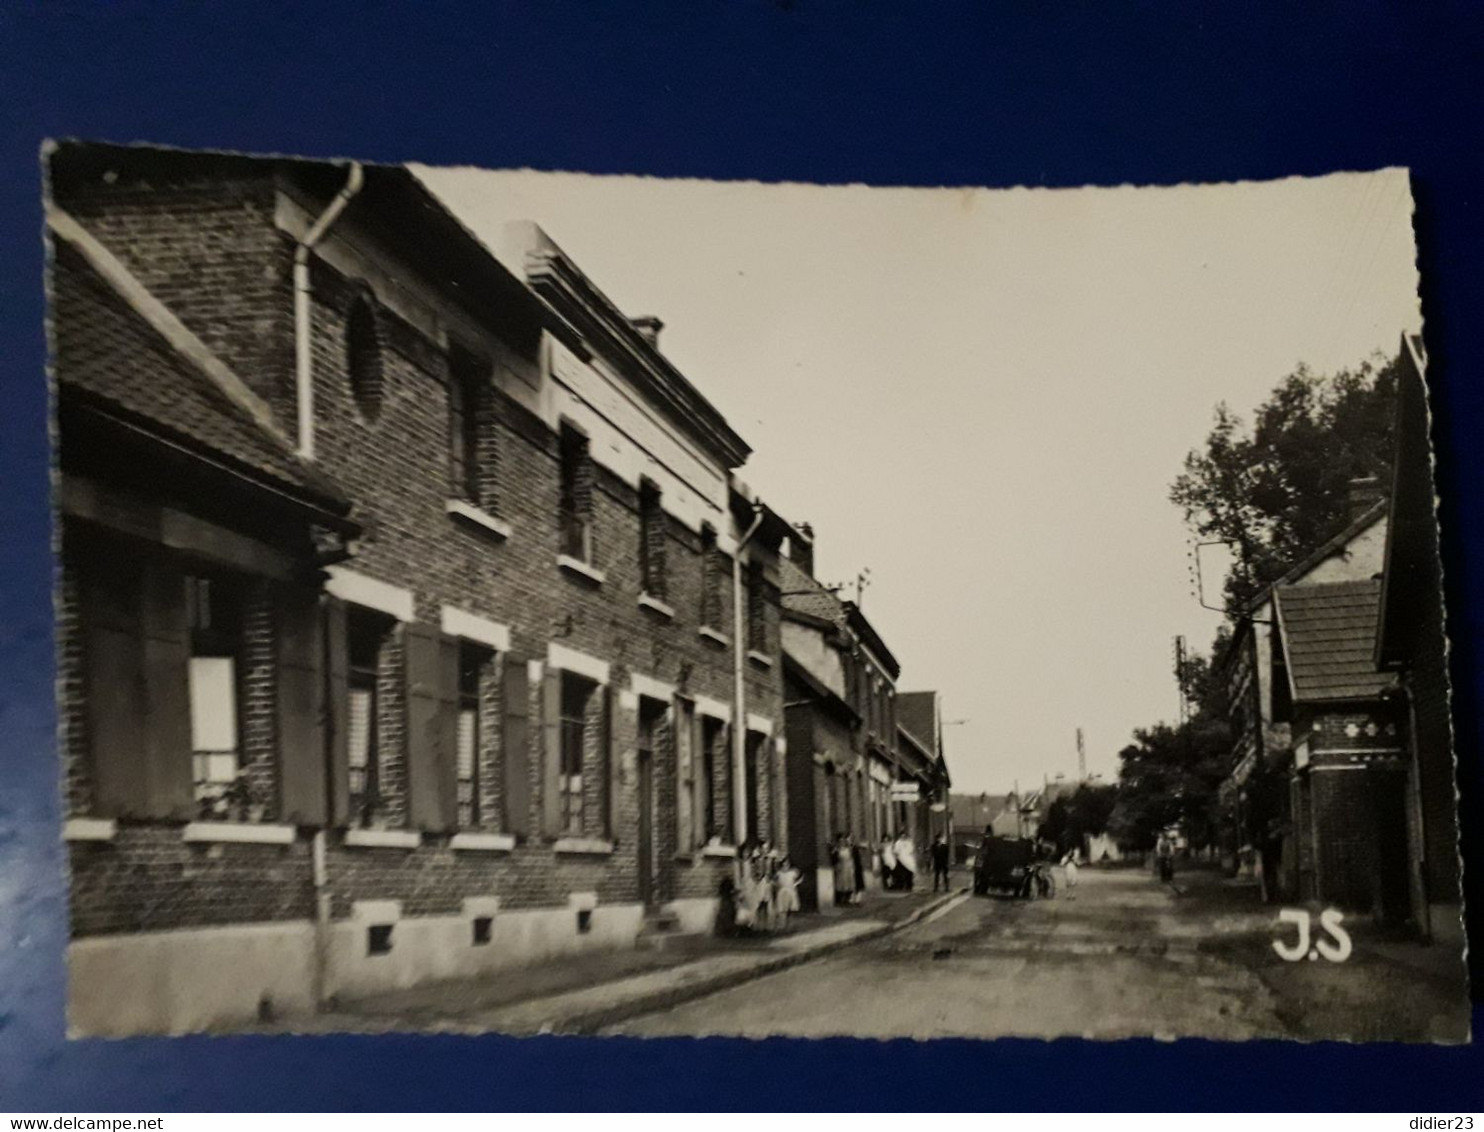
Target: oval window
(363,354)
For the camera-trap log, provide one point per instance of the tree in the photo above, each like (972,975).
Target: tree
(1074,817)
(1170,776)
(1276,493)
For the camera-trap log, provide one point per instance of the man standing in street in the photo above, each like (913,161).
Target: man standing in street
(940,863)
(1164,853)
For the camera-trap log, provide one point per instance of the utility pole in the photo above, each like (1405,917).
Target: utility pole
(1081,759)
(1180,680)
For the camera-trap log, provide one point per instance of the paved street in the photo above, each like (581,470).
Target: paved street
(1125,957)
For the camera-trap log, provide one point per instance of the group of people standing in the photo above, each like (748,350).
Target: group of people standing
(765,891)
(896,859)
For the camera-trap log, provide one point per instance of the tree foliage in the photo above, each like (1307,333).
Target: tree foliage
(1170,775)
(1279,490)
(1074,817)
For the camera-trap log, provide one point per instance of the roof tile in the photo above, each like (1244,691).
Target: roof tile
(1329,637)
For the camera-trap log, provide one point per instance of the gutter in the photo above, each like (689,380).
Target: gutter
(303,358)
(739,701)
(304,403)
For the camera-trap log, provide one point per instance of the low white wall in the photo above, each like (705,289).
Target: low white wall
(180,982)
(187,981)
(697,914)
(427,948)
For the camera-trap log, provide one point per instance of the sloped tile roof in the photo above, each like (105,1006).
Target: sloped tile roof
(107,353)
(802,594)
(917,714)
(1329,638)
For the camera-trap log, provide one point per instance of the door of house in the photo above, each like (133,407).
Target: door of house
(1393,852)
(646,828)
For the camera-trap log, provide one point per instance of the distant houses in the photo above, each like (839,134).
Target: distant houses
(865,761)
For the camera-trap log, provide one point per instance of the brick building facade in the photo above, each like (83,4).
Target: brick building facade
(453,673)
(1411,643)
(847,751)
(1342,784)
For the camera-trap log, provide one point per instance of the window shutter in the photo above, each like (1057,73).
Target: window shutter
(167,656)
(515,746)
(113,648)
(448,731)
(613,771)
(681,736)
(551,752)
(701,784)
(458,457)
(301,708)
(426,789)
(337,703)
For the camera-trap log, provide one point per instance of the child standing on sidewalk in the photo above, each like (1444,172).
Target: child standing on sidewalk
(786,901)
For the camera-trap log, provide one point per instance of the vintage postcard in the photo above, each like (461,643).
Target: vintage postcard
(501,601)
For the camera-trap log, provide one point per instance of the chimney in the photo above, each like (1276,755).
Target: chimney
(801,548)
(1364,494)
(649,327)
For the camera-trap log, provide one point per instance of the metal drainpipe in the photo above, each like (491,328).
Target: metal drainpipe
(304,402)
(739,703)
(303,357)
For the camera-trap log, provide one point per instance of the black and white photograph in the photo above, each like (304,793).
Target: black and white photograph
(501,601)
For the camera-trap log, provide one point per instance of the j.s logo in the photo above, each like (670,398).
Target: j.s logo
(1310,946)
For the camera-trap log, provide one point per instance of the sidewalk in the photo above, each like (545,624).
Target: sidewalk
(581,994)
(1389,988)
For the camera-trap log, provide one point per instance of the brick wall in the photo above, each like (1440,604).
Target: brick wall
(148,879)
(213,255)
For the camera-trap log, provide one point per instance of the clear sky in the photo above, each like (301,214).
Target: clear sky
(983,395)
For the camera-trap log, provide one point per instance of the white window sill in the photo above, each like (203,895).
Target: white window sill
(584,846)
(655,605)
(478,516)
(706,633)
(761,659)
(483,842)
(90,829)
(718,850)
(244,832)
(580,568)
(383,838)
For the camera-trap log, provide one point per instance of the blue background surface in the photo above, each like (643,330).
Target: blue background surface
(876,92)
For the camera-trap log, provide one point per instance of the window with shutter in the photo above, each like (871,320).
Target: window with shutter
(470,429)
(366,634)
(652,541)
(575,693)
(474,662)
(432,682)
(576,495)
(301,706)
(757,623)
(515,747)
(685,773)
(714,762)
(214,615)
(113,680)
(710,578)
